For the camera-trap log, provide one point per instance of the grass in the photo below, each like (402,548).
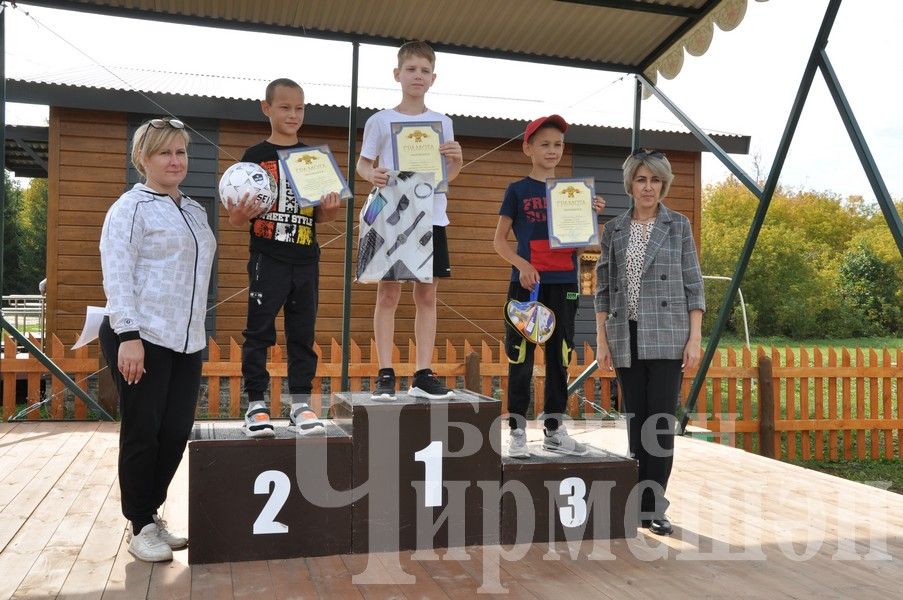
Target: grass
(873,472)
(731,340)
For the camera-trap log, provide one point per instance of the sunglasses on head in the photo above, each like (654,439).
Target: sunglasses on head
(161,124)
(647,152)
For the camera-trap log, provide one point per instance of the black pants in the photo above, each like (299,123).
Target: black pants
(558,349)
(276,285)
(157,415)
(651,388)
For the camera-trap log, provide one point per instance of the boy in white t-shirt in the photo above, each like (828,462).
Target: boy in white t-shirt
(416,62)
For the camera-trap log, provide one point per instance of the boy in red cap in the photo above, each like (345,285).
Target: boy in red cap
(523,211)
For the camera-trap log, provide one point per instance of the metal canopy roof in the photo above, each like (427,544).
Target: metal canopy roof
(26,150)
(633,36)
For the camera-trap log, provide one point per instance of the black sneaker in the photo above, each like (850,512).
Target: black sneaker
(385,386)
(425,384)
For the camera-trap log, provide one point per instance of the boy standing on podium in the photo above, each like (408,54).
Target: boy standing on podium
(415,73)
(283,269)
(554,270)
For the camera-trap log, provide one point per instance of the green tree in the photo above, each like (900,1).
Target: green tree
(871,285)
(792,280)
(11,254)
(32,225)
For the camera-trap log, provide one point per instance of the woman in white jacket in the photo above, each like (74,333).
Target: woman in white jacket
(156,251)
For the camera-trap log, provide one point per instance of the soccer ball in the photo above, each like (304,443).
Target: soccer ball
(246,177)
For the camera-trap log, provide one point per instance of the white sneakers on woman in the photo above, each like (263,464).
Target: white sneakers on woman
(148,546)
(155,542)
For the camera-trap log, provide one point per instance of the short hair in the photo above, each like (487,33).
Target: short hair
(416,48)
(281,82)
(655,162)
(148,140)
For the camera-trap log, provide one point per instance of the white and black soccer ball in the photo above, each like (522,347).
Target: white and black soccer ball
(246,177)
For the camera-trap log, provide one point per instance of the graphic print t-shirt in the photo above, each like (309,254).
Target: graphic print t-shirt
(525,203)
(287,231)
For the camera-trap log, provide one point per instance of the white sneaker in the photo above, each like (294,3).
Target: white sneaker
(148,546)
(560,442)
(176,542)
(517,444)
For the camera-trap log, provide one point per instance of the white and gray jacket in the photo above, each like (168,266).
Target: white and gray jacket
(156,258)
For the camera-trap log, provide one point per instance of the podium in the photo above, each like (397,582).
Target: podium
(245,501)
(573,497)
(401,475)
(422,463)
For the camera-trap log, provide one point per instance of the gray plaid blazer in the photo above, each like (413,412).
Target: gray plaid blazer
(670,287)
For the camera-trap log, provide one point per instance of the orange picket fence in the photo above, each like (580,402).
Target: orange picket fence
(786,403)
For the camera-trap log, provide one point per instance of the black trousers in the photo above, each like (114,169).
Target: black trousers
(651,389)
(276,285)
(558,350)
(157,415)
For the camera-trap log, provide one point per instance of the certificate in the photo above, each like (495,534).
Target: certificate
(569,205)
(313,172)
(415,146)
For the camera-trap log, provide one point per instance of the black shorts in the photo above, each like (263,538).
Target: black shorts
(441,262)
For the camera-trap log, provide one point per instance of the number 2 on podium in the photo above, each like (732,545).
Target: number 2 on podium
(266,521)
(431,457)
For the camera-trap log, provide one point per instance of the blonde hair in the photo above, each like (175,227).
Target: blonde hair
(148,139)
(421,49)
(655,162)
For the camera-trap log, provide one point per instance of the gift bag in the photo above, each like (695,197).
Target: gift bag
(395,231)
(532,319)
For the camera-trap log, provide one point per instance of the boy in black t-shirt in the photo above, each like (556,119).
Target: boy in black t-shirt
(283,270)
(523,211)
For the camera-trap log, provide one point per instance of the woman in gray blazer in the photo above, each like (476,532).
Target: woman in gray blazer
(649,303)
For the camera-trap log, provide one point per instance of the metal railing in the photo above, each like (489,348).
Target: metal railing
(25,312)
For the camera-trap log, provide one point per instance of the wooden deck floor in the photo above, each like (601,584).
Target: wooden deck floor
(746,527)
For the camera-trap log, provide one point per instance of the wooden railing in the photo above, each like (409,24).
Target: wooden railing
(790,404)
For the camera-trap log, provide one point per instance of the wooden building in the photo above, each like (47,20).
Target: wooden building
(88,168)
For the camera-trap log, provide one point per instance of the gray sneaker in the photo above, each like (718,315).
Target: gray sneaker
(517,444)
(560,442)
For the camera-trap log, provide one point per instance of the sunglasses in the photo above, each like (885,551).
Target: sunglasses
(646,152)
(161,124)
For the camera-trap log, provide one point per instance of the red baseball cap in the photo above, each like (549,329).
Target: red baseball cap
(555,120)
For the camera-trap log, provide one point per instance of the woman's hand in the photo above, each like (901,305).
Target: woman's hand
(131,361)
(692,353)
(603,353)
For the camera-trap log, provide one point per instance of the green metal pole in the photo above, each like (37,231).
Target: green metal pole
(349,217)
(2,134)
(51,366)
(862,150)
(764,201)
(637,101)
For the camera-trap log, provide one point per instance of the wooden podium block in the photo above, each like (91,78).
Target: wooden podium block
(574,497)
(244,498)
(418,466)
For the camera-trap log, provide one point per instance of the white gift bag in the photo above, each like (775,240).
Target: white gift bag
(395,230)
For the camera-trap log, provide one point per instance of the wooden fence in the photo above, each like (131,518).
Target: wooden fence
(789,403)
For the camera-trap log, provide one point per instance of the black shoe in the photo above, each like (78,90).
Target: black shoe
(385,386)
(660,526)
(425,384)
